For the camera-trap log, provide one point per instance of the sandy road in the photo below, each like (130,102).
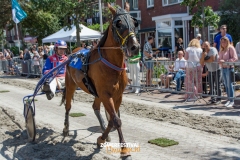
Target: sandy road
(193,144)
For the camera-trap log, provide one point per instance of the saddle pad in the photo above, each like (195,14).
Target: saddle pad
(76,62)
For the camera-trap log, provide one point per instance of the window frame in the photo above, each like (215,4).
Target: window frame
(135,2)
(179,1)
(150,5)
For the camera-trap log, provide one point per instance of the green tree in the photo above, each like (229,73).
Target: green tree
(229,13)
(204,15)
(47,16)
(78,11)
(43,19)
(6,16)
(5,13)
(97,26)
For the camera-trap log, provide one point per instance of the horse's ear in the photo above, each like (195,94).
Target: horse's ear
(127,6)
(111,9)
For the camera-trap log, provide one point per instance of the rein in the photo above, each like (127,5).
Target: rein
(107,63)
(116,68)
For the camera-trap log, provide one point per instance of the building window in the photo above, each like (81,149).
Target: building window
(178,23)
(13,32)
(212,33)
(135,4)
(164,24)
(150,3)
(170,2)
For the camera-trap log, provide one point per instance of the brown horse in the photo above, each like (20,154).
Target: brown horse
(109,83)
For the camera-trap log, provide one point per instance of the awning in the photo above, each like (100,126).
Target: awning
(144,30)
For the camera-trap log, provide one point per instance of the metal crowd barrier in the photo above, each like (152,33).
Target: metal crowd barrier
(4,65)
(29,68)
(159,80)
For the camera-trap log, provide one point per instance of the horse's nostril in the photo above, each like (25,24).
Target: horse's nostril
(133,48)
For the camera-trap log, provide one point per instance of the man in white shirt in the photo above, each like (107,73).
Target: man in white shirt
(199,38)
(179,67)
(238,49)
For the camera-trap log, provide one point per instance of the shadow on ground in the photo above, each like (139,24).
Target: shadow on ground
(48,145)
(229,152)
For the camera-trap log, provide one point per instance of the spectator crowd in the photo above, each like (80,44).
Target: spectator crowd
(31,60)
(201,68)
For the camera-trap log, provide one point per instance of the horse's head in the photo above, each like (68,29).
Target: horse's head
(123,27)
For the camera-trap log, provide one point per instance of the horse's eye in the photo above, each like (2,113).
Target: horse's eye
(119,23)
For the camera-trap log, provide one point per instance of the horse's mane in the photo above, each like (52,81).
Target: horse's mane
(104,38)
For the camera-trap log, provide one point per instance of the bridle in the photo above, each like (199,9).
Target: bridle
(125,18)
(124,40)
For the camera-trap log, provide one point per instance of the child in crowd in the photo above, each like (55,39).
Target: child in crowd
(36,63)
(15,69)
(166,78)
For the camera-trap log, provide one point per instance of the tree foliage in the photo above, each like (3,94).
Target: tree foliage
(78,11)
(210,18)
(97,26)
(5,14)
(204,15)
(48,16)
(43,19)
(229,13)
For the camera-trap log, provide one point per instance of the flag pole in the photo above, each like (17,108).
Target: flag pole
(2,42)
(100,15)
(18,38)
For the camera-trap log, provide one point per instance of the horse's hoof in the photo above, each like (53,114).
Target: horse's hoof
(65,133)
(125,154)
(108,139)
(100,142)
(127,157)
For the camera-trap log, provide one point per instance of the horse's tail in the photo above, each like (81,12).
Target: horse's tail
(63,96)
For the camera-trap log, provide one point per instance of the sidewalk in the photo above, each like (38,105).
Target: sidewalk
(177,102)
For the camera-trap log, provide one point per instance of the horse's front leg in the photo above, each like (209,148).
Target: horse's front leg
(125,154)
(116,122)
(68,93)
(96,108)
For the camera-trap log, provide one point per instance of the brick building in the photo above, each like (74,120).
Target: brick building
(12,38)
(166,20)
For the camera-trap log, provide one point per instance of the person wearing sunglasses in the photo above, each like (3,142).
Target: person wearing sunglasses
(223,30)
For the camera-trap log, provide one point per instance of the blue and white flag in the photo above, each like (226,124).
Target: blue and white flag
(17,12)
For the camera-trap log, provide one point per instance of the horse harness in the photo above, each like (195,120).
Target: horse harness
(122,16)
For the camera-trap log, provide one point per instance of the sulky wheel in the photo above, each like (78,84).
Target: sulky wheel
(108,118)
(30,122)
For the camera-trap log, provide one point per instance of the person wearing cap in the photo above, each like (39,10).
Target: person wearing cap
(53,61)
(217,39)
(199,38)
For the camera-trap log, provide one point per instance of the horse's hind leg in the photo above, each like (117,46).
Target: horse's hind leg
(96,108)
(68,94)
